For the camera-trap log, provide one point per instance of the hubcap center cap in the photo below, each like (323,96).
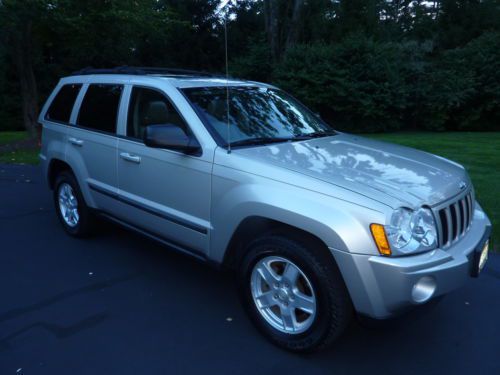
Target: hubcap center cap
(284,294)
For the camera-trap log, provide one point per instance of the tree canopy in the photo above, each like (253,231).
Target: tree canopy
(364,65)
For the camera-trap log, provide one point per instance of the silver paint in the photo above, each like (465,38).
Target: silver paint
(332,188)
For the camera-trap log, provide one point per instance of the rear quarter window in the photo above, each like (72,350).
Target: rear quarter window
(99,109)
(62,105)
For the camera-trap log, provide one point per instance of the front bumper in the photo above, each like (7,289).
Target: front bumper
(381,287)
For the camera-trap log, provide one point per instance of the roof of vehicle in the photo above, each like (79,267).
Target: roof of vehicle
(181,78)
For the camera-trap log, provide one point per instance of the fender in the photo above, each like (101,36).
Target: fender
(339,224)
(78,165)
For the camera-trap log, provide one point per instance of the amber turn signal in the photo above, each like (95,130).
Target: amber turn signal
(378,233)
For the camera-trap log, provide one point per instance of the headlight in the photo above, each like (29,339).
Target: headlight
(411,231)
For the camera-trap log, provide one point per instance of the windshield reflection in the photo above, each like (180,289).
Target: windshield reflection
(254,112)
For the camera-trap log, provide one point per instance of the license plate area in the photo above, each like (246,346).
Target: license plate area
(480,258)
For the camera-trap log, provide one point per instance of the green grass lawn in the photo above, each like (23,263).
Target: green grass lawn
(20,156)
(479,153)
(9,137)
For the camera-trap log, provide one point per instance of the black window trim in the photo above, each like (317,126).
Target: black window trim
(216,136)
(160,91)
(113,134)
(68,123)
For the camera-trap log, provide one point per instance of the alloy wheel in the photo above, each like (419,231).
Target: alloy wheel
(68,205)
(283,295)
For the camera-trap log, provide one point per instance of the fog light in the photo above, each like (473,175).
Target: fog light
(423,289)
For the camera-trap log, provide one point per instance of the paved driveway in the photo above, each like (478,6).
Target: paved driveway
(120,304)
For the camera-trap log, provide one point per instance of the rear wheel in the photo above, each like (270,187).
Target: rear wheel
(71,209)
(294,295)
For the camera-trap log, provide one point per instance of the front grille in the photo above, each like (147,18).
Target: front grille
(455,219)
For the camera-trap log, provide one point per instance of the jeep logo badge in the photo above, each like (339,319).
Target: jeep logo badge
(462,185)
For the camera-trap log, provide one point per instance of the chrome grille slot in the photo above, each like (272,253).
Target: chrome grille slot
(454,222)
(463,223)
(443,226)
(467,209)
(459,219)
(454,219)
(471,208)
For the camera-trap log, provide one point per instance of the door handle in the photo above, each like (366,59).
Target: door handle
(76,142)
(129,157)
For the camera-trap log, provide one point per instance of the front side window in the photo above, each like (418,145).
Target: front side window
(99,109)
(62,105)
(255,113)
(150,107)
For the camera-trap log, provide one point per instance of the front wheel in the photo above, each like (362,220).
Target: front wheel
(293,293)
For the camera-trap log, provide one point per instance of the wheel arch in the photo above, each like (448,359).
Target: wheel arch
(56,166)
(76,167)
(254,226)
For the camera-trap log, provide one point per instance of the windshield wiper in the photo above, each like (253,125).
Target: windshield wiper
(267,140)
(316,135)
(261,141)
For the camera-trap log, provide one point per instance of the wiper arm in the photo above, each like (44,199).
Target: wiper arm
(317,135)
(267,140)
(261,141)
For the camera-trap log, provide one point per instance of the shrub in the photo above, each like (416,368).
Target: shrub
(464,87)
(358,85)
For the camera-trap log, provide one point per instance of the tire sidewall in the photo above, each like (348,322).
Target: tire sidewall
(314,335)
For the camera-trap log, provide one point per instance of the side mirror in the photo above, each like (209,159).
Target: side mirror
(171,137)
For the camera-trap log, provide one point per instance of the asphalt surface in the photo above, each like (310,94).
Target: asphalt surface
(120,304)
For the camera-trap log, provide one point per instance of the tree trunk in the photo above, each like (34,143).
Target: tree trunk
(293,30)
(272,27)
(24,61)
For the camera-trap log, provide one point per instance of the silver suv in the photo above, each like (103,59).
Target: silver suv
(317,224)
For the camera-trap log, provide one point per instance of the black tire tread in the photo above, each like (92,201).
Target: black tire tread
(340,306)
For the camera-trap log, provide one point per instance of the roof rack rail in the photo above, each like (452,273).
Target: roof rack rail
(133,70)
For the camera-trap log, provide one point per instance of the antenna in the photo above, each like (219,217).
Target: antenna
(227,83)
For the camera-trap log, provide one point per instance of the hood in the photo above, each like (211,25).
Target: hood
(369,167)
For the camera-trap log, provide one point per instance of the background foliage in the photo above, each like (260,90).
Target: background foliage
(364,65)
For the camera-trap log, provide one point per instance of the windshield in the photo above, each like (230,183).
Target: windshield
(255,113)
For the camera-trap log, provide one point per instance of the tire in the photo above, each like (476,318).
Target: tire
(83,226)
(322,324)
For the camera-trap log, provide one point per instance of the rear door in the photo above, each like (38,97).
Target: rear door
(92,143)
(55,117)
(164,192)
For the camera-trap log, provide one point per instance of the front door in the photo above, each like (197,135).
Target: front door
(161,191)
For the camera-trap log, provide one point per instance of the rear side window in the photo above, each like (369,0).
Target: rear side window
(62,105)
(99,109)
